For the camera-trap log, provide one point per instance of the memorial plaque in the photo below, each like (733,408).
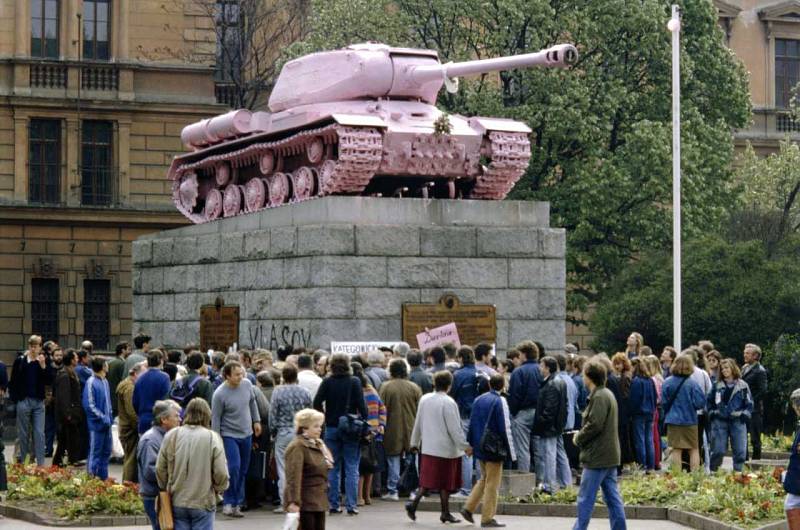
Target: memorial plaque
(475,322)
(219,327)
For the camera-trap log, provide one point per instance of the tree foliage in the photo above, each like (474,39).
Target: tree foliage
(602,130)
(732,295)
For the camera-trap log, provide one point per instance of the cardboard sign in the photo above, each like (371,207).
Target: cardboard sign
(476,322)
(436,336)
(356,348)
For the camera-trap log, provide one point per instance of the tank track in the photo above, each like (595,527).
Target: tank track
(509,154)
(359,156)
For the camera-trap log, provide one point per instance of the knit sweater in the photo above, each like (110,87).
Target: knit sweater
(234,410)
(286,401)
(437,427)
(151,386)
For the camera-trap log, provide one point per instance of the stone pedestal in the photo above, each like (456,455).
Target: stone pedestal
(340,268)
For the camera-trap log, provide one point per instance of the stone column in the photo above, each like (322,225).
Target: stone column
(73,138)
(20,158)
(124,160)
(122,9)
(22,21)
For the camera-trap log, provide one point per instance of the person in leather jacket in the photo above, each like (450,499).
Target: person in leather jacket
(551,417)
(755,376)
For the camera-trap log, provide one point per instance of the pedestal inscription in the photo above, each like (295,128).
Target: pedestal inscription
(475,322)
(219,327)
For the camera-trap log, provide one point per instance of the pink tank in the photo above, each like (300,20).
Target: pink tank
(356,121)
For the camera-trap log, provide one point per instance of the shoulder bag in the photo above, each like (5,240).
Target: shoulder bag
(351,427)
(493,445)
(164,501)
(663,427)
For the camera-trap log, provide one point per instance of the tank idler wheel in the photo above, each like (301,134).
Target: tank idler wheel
(213,207)
(255,195)
(302,184)
(222,174)
(278,188)
(267,163)
(315,150)
(232,201)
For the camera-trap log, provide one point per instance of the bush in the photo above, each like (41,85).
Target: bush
(781,361)
(732,295)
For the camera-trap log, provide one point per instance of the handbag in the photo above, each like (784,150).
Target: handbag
(350,426)
(662,429)
(257,469)
(164,511)
(369,456)
(409,479)
(492,445)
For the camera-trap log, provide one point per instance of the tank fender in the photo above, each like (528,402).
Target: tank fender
(359,120)
(498,124)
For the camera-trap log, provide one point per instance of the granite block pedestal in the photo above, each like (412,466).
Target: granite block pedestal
(340,268)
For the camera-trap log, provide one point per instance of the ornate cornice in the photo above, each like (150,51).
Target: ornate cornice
(726,10)
(787,11)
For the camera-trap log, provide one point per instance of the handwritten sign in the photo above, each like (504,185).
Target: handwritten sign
(436,336)
(475,322)
(219,327)
(356,348)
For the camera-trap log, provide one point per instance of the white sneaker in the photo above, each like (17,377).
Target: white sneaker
(390,497)
(459,495)
(227,509)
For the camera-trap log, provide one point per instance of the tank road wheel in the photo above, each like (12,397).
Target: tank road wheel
(267,163)
(326,177)
(315,149)
(188,191)
(302,184)
(255,195)
(232,202)
(278,188)
(222,174)
(213,208)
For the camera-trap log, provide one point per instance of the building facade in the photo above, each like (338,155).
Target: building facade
(93,96)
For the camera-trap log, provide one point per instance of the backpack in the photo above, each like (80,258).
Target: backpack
(183,392)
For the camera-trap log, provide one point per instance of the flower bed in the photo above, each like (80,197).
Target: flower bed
(776,443)
(69,493)
(746,500)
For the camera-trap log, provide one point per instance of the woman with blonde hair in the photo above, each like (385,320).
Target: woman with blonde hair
(730,405)
(634,344)
(682,399)
(192,467)
(308,461)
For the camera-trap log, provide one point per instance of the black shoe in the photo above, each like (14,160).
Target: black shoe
(334,511)
(411,511)
(492,524)
(467,515)
(448,518)
(352,512)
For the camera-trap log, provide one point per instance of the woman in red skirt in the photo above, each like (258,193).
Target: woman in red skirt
(440,441)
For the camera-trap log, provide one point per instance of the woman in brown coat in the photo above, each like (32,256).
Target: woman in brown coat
(307,463)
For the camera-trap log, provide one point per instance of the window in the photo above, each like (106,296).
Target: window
(44,28)
(229,56)
(97,176)
(96,299)
(96,24)
(44,308)
(44,161)
(787,70)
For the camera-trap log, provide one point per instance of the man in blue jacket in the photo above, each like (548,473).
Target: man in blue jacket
(151,386)
(489,411)
(468,384)
(523,393)
(97,404)
(166,416)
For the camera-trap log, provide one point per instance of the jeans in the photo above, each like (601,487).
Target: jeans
(282,441)
(193,518)
(721,431)
(591,481)
(237,452)
(346,457)
(150,509)
(545,461)
(485,490)
(393,472)
(563,469)
(521,427)
(643,441)
(49,430)
(99,452)
(30,417)
(467,464)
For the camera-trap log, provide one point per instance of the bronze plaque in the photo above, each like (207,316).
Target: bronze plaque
(219,327)
(475,322)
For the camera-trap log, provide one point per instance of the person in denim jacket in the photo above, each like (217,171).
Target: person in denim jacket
(730,406)
(681,412)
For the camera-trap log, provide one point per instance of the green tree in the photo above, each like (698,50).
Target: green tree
(602,130)
(732,295)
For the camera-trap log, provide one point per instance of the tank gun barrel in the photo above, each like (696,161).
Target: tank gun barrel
(560,56)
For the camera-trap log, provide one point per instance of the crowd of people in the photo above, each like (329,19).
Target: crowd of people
(320,434)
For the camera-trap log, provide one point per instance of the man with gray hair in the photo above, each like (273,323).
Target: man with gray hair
(755,376)
(375,371)
(401,349)
(166,416)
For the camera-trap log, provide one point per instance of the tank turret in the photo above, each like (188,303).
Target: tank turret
(357,121)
